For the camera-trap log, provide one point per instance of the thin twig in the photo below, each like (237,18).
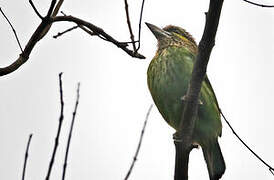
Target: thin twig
(139,144)
(62,12)
(26,157)
(140,25)
(129,26)
(261,5)
(18,42)
(255,154)
(68,30)
(70,132)
(59,128)
(35,10)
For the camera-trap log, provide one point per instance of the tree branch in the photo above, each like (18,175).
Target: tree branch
(56,143)
(26,157)
(199,70)
(139,144)
(70,132)
(44,27)
(99,31)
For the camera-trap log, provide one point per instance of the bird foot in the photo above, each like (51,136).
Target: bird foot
(177,138)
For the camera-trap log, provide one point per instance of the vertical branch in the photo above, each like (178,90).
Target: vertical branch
(139,144)
(140,25)
(59,128)
(26,157)
(70,132)
(129,27)
(199,70)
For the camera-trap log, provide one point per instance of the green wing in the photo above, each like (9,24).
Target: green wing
(206,80)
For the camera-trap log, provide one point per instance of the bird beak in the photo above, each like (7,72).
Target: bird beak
(158,32)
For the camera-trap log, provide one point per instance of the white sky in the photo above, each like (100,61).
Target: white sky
(114,95)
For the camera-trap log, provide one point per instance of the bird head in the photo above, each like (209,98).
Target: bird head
(173,36)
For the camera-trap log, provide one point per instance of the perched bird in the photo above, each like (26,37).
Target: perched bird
(168,76)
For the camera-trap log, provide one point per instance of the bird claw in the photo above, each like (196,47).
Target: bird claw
(177,138)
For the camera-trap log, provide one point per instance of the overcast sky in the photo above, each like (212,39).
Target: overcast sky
(114,97)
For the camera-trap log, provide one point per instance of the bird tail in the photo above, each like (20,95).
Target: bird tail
(214,160)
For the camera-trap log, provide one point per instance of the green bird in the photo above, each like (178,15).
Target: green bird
(168,76)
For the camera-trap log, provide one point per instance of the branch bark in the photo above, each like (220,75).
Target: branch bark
(199,71)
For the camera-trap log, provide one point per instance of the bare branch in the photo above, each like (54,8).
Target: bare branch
(129,26)
(261,5)
(98,31)
(44,27)
(271,169)
(35,10)
(70,132)
(139,144)
(59,128)
(68,30)
(18,42)
(26,157)
(140,25)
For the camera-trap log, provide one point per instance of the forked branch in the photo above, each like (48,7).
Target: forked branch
(45,26)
